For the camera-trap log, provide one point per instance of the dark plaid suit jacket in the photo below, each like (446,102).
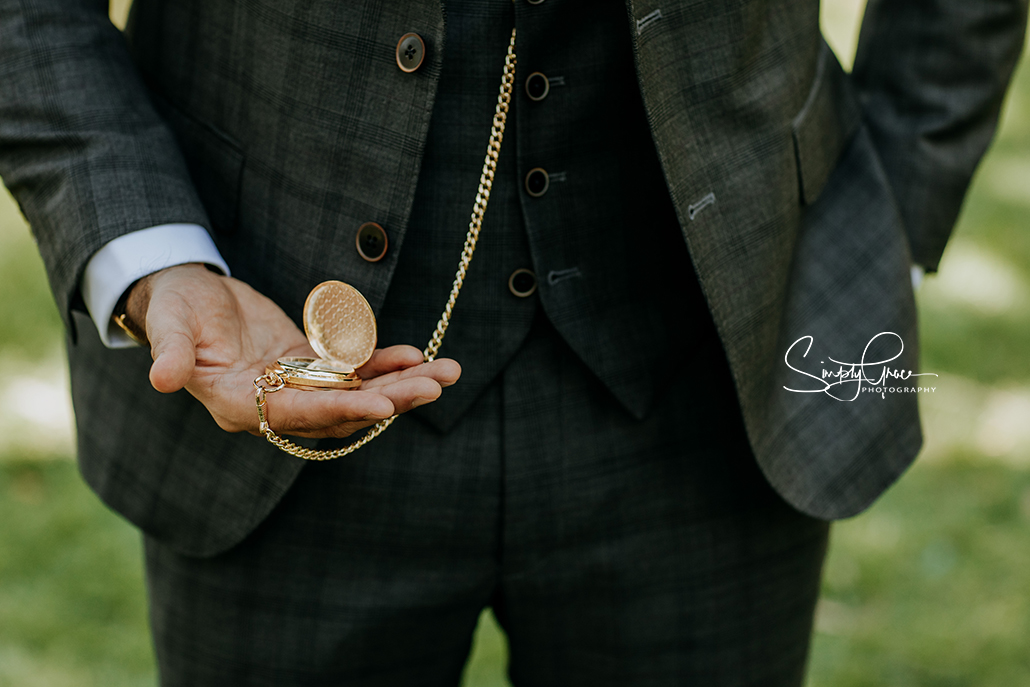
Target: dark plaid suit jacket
(826,186)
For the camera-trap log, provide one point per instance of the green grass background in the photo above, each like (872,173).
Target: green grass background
(930,587)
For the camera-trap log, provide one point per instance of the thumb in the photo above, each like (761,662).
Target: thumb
(173,348)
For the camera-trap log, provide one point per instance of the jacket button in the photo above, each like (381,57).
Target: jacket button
(537,182)
(537,86)
(410,52)
(534,2)
(522,283)
(371,242)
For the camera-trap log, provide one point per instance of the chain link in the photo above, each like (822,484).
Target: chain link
(271,382)
(486,182)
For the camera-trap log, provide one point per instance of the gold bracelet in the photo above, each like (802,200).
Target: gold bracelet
(120,320)
(120,317)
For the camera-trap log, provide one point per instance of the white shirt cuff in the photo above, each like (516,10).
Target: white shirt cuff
(918,272)
(116,266)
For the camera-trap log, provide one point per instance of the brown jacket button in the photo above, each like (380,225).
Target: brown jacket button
(371,242)
(537,86)
(522,283)
(537,182)
(410,52)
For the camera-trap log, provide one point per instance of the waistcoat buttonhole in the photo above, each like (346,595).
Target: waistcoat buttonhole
(556,276)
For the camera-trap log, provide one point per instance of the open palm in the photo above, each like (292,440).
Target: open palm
(213,335)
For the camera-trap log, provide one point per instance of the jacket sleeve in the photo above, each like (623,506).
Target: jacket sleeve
(82,149)
(931,76)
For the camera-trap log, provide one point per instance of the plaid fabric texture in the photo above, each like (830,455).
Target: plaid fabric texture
(613,551)
(282,125)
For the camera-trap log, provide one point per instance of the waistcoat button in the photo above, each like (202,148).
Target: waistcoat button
(537,182)
(410,52)
(371,242)
(537,86)
(522,283)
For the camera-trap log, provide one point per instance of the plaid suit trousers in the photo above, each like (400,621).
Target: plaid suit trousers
(614,551)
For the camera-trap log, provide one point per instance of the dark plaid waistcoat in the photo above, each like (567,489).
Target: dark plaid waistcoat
(611,268)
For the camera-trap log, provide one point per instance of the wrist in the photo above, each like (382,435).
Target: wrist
(130,313)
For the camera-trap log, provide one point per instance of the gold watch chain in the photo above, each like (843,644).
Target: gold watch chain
(271,382)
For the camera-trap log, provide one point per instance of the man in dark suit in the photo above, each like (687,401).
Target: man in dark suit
(685,191)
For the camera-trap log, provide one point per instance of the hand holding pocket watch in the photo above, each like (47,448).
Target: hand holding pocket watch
(212,335)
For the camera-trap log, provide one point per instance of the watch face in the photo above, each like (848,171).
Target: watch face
(340,324)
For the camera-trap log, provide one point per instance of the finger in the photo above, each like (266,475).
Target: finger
(312,413)
(444,372)
(338,432)
(339,413)
(386,360)
(405,395)
(172,347)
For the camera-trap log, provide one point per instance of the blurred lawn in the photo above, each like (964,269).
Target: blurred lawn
(930,587)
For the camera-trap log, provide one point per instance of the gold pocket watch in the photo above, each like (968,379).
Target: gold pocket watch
(341,328)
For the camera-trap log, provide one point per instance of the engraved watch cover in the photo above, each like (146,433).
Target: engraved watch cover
(340,326)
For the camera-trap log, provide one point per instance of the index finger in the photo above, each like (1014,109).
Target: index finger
(390,359)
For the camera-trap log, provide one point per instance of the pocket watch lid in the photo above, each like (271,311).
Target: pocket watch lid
(340,324)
